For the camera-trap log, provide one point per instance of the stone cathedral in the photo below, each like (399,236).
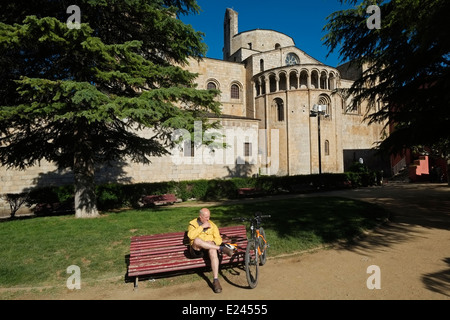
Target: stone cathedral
(268,89)
(269,84)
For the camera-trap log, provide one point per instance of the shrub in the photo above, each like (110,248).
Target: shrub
(15,201)
(361,175)
(115,195)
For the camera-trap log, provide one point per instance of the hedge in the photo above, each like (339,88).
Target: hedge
(115,195)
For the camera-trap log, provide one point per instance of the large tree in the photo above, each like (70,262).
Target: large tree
(78,97)
(408,67)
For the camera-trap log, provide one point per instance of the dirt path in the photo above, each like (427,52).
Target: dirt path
(412,252)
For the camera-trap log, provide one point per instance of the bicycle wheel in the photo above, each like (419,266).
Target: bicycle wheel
(262,247)
(251,263)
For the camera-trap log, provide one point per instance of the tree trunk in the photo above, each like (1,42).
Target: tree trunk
(83,167)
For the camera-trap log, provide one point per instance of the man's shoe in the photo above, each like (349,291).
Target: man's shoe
(227,250)
(216,286)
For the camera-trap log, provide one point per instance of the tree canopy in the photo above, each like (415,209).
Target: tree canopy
(408,70)
(78,97)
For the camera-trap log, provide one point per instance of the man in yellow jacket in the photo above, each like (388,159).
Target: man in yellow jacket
(204,235)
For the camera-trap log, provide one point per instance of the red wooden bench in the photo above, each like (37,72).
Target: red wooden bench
(169,252)
(249,191)
(156,200)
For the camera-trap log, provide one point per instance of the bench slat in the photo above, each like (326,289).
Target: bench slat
(177,258)
(223,231)
(150,251)
(182,238)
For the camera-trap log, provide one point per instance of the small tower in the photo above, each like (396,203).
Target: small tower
(230,28)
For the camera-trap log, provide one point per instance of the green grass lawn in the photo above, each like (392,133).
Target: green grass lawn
(38,251)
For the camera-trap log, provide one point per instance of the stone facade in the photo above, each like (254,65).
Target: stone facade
(268,87)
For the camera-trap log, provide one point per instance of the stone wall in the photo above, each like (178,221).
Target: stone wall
(204,164)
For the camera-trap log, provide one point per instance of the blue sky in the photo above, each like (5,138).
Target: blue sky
(299,19)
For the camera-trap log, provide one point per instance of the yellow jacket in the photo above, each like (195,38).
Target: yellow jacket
(196,231)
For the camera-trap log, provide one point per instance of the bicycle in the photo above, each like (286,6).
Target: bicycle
(256,251)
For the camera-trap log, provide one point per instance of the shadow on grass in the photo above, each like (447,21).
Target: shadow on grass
(327,218)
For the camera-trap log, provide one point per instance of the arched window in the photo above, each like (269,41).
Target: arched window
(261,65)
(303,79)
(282,82)
(257,88)
(314,79)
(211,86)
(272,83)
(292,59)
(234,91)
(327,147)
(279,105)
(323,80)
(332,81)
(325,100)
(293,80)
(263,86)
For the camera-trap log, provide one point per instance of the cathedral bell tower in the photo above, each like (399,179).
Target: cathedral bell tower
(230,28)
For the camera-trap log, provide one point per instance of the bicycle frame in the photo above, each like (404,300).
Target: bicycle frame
(259,236)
